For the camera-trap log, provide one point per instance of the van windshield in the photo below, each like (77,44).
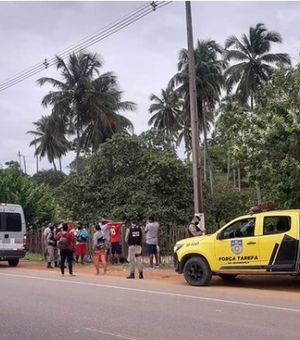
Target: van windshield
(10,222)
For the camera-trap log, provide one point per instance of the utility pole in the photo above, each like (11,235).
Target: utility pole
(197,177)
(19,155)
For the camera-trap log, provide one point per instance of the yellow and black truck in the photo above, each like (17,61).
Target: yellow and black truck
(262,242)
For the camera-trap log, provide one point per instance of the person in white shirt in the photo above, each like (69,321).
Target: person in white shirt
(151,232)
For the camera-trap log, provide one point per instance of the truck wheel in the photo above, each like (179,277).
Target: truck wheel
(228,277)
(13,263)
(197,272)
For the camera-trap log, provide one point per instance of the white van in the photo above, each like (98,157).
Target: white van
(12,233)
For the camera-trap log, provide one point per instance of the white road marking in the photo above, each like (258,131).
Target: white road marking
(203,298)
(113,334)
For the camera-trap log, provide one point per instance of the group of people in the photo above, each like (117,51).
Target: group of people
(62,241)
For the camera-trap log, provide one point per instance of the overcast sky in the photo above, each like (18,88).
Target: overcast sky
(143,55)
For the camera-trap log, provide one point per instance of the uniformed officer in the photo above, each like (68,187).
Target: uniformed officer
(134,238)
(195,227)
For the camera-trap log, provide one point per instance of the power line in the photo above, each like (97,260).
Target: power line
(70,47)
(79,47)
(64,53)
(91,39)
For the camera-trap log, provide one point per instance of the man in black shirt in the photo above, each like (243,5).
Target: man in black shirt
(134,237)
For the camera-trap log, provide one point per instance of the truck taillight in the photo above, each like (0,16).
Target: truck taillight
(25,240)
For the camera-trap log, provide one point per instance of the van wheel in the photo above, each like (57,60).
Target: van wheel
(197,271)
(228,277)
(13,263)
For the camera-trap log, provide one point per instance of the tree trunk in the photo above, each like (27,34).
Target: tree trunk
(54,165)
(188,156)
(37,164)
(251,101)
(60,167)
(205,149)
(228,166)
(204,163)
(234,178)
(258,190)
(77,150)
(211,179)
(239,178)
(207,159)
(258,193)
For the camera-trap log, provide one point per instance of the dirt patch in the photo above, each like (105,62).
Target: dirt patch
(115,271)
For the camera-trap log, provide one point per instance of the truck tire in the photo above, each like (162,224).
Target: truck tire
(197,271)
(13,263)
(228,277)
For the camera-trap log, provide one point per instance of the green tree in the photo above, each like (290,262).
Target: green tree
(36,200)
(85,100)
(104,121)
(166,111)
(254,66)
(47,141)
(268,138)
(49,177)
(209,81)
(131,176)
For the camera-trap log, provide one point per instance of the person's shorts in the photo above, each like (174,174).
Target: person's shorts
(151,249)
(116,248)
(80,249)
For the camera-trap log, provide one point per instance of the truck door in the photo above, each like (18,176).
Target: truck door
(236,247)
(279,242)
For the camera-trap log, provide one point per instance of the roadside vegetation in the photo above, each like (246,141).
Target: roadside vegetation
(248,106)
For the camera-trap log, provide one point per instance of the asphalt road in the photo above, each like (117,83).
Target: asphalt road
(38,305)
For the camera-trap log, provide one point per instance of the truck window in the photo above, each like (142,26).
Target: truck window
(276,225)
(13,222)
(241,228)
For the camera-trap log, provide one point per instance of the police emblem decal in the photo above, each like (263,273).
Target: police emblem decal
(237,246)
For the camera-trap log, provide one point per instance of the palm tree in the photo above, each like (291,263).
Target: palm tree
(254,65)
(209,81)
(78,99)
(104,119)
(47,141)
(167,111)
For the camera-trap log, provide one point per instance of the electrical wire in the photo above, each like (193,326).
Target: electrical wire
(91,39)
(70,47)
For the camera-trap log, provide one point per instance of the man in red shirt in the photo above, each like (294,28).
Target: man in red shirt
(66,240)
(115,229)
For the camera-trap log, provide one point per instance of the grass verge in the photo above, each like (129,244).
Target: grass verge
(33,257)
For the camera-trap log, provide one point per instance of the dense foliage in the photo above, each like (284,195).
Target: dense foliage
(265,141)
(134,177)
(130,177)
(49,177)
(36,200)
(250,137)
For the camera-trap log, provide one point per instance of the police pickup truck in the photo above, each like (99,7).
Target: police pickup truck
(266,241)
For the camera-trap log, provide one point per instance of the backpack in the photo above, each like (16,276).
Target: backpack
(63,243)
(82,238)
